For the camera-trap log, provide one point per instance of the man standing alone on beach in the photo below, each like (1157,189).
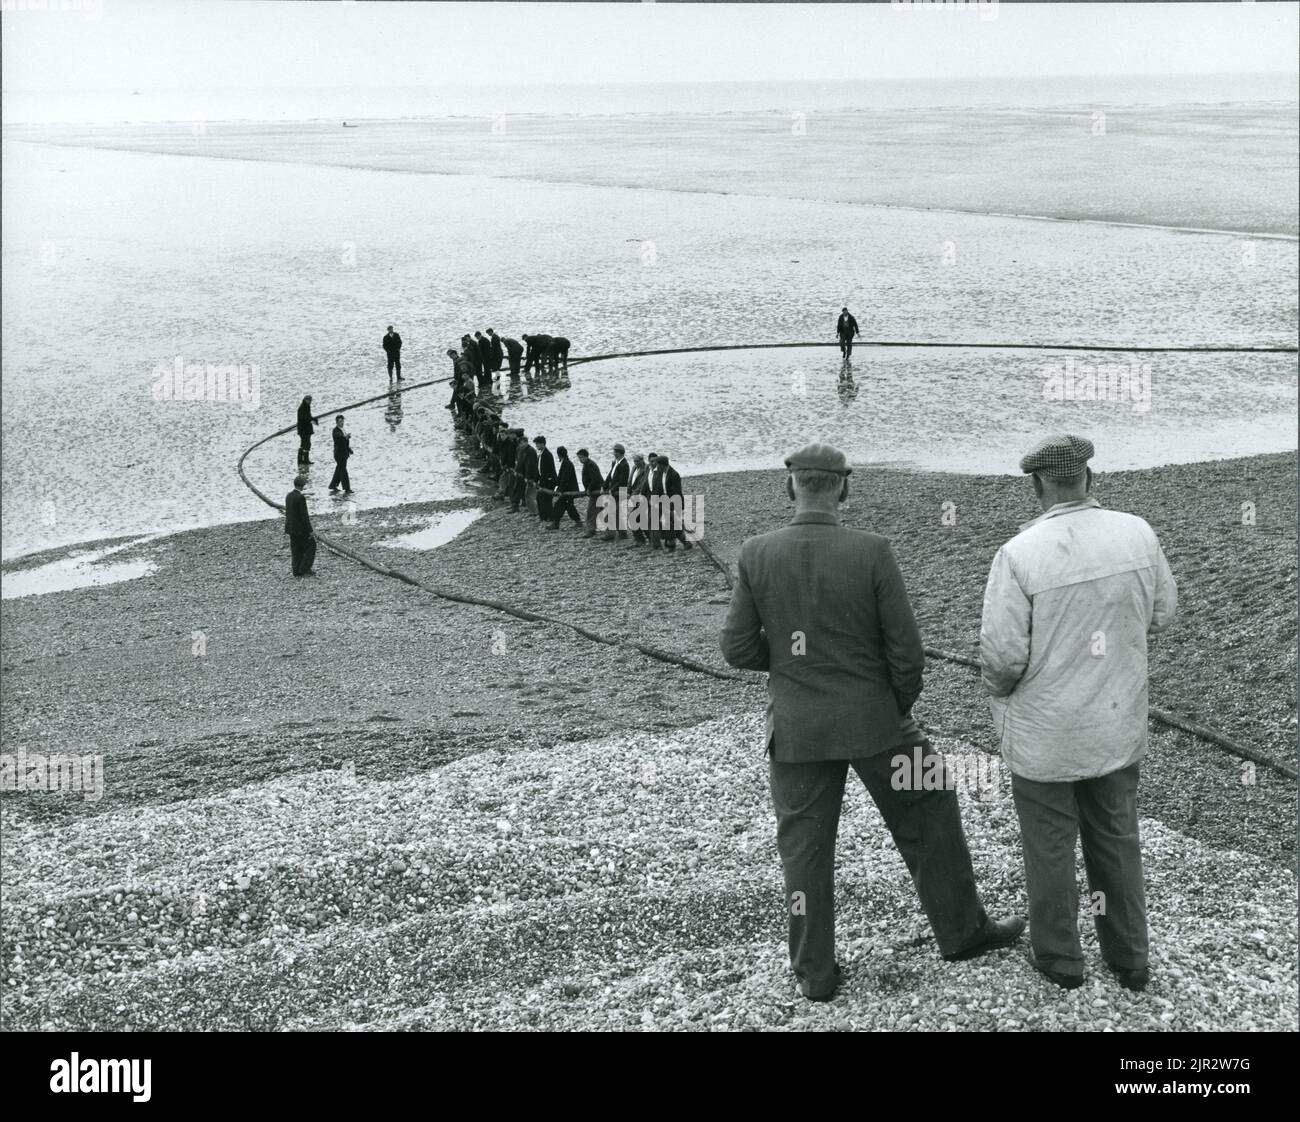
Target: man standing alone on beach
(392,344)
(1089,585)
(297,524)
(845,328)
(822,609)
(306,427)
(342,451)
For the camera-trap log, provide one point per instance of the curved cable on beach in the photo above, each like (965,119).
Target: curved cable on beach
(1202,732)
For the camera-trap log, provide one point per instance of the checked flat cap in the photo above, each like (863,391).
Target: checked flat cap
(1059,456)
(818,457)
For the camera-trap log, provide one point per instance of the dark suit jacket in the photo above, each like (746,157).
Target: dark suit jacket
(527,464)
(484,345)
(672,481)
(546,468)
(513,347)
(297,522)
(657,481)
(837,594)
(846,326)
(617,477)
(591,480)
(342,444)
(494,341)
(306,422)
(568,480)
(392,344)
(638,482)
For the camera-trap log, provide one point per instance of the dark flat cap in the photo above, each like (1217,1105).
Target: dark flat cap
(619,448)
(1059,457)
(818,457)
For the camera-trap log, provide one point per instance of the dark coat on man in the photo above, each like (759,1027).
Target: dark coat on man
(392,343)
(484,345)
(616,479)
(297,522)
(592,483)
(342,445)
(843,687)
(497,354)
(306,422)
(546,468)
(567,480)
(846,326)
(526,463)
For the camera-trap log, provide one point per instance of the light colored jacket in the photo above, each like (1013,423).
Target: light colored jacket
(1063,644)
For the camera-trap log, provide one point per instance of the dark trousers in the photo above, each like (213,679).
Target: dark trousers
(394,362)
(846,346)
(562,506)
(304,447)
(340,476)
(514,366)
(926,827)
(303,553)
(544,503)
(593,504)
(638,514)
(1103,813)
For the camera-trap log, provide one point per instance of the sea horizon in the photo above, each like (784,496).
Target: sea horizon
(114,106)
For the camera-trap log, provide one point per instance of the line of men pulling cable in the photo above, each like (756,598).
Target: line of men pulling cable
(640,499)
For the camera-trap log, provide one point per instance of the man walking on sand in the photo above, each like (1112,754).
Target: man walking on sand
(342,452)
(392,344)
(297,524)
(822,609)
(1089,585)
(846,327)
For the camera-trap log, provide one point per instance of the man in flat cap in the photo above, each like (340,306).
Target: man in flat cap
(1071,708)
(822,608)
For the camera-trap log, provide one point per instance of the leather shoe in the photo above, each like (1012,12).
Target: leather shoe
(997,934)
(1135,980)
(839,977)
(1065,981)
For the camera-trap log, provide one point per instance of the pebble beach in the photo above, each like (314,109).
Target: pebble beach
(365,807)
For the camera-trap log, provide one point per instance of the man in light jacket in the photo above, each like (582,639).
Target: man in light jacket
(1088,585)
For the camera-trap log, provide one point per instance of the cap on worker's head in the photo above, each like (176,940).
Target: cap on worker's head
(1058,457)
(818,457)
(619,448)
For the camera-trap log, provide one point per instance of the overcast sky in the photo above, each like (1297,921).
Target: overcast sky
(172,44)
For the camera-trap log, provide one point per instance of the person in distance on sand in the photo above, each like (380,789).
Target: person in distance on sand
(342,453)
(392,344)
(297,524)
(306,427)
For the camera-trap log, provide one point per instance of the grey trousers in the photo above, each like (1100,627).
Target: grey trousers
(926,827)
(1102,813)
